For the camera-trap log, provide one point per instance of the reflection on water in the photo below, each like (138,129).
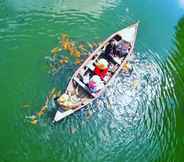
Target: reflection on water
(135,113)
(175,66)
(94,7)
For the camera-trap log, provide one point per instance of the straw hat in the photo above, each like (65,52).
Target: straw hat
(102,64)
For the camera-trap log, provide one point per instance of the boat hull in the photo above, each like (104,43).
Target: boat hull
(128,34)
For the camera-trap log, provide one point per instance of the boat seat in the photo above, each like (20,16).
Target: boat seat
(117,60)
(81,84)
(90,65)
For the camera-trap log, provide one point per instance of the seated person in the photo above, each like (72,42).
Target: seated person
(122,48)
(101,68)
(110,49)
(95,84)
(127,68)
(68,102)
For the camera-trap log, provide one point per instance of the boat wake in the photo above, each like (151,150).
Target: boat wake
(126,92)
(127,118)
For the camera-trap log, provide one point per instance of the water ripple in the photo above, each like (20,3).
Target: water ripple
(132,120)
(135,118)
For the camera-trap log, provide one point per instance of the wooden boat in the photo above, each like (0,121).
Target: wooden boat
(76,88)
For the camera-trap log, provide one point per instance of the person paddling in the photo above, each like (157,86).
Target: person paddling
(122,48)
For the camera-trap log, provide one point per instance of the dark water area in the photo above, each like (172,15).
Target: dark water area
(139,118)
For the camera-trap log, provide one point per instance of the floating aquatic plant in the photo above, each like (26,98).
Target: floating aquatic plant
(58,56)
(34,122)
(77,61)
(55,50)
(44,108)
(55,61)
(69,46)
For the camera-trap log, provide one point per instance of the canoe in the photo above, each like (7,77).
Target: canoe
(77,89)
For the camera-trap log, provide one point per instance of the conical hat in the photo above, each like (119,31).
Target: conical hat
(102,64)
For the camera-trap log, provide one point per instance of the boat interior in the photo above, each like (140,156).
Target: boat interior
(78,81)
(79,91)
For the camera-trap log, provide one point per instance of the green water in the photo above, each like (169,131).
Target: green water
(142,124)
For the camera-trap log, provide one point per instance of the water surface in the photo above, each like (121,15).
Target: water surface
(139,118)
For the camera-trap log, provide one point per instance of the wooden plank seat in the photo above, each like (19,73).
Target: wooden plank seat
(91,65)
(116,59)
(81,84)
